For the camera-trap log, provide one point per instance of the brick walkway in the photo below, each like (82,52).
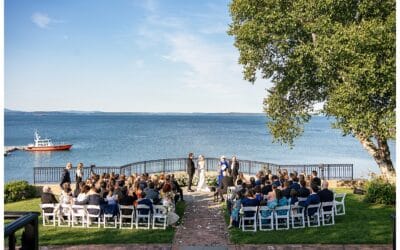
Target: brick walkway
(203,223)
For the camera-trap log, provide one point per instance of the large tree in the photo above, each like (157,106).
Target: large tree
(338,52)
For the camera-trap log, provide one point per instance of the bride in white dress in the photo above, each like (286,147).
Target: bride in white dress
(202,184)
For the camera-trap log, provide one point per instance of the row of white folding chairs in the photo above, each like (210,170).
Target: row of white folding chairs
(284,215)
(79,216)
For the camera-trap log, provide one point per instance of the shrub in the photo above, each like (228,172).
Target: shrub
(18,190)
(183,179)
(381,192)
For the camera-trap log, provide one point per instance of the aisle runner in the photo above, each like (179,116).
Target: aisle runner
(203,223)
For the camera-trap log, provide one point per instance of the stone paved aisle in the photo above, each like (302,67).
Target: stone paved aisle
(203,224)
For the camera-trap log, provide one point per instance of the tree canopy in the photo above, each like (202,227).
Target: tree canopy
(339,52)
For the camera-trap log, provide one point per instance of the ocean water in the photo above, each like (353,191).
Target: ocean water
(114,139)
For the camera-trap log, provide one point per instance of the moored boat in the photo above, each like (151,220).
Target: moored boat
(46,145)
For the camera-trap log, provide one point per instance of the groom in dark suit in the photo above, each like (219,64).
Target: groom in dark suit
(190,170)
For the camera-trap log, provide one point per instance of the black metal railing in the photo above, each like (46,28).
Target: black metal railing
(26,220)
(325,171)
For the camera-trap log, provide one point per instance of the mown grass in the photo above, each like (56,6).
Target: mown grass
(77,236)
(363,224)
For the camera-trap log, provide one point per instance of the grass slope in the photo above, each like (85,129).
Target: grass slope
(363,224)
(76,236)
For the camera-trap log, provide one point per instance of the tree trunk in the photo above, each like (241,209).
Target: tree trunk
(381,155)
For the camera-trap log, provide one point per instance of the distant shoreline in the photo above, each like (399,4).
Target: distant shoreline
(76,112)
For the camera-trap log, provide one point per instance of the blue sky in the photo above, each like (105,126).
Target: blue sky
(131,56)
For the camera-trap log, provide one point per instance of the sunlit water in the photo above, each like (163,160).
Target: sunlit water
(107,139)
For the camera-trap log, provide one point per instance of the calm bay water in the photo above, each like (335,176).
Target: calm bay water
(110,139)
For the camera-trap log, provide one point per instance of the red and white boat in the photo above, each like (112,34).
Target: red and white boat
(46,145)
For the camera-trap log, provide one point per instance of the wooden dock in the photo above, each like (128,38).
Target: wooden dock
(9,149)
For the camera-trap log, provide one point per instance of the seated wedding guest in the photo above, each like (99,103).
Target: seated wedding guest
(129,199)
(79,188)
(286,189)
(268,175)
(48,197)
(252,182)
(303,192)
(66,194)
(250,201)
(119,191)
(259,196)
(267,187)
(145,201)
(275,181)
(112,203)
(237,203)
(143,181)
(83,194)
(280,201)
(315,179)
(111,197)
(167,201)
(176,188)
(103,189)
(161,181)
(293,196)
(93,198)
(312,199)
(238,186)
(259,176)
(271,196)
(325,195)
(152,193)
(295,183)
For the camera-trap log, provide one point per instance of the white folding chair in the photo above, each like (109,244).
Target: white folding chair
(126,212)
(297,216)
(93,212)
(327,213)
(64,213)
(252,218)
(266,218)
(78,214)
(142,216)
(109,220)
(281,215)
(159,217)
(49,217)
(313,217)
(339,203)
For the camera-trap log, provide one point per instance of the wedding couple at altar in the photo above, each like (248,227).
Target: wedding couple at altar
(191,170)
(202,183)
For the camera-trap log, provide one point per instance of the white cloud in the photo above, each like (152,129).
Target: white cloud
(211,67)
(41,20)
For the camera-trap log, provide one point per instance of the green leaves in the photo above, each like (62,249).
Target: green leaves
(340,52)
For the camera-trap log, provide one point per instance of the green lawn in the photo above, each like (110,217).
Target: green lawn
(75,236)
(363,224)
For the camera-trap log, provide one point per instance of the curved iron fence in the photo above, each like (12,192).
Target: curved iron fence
(325,171)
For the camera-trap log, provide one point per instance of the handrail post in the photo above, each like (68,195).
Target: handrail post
(163,165)
(352,172)
(11,241)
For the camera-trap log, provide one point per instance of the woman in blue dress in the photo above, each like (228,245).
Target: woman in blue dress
(223,165)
